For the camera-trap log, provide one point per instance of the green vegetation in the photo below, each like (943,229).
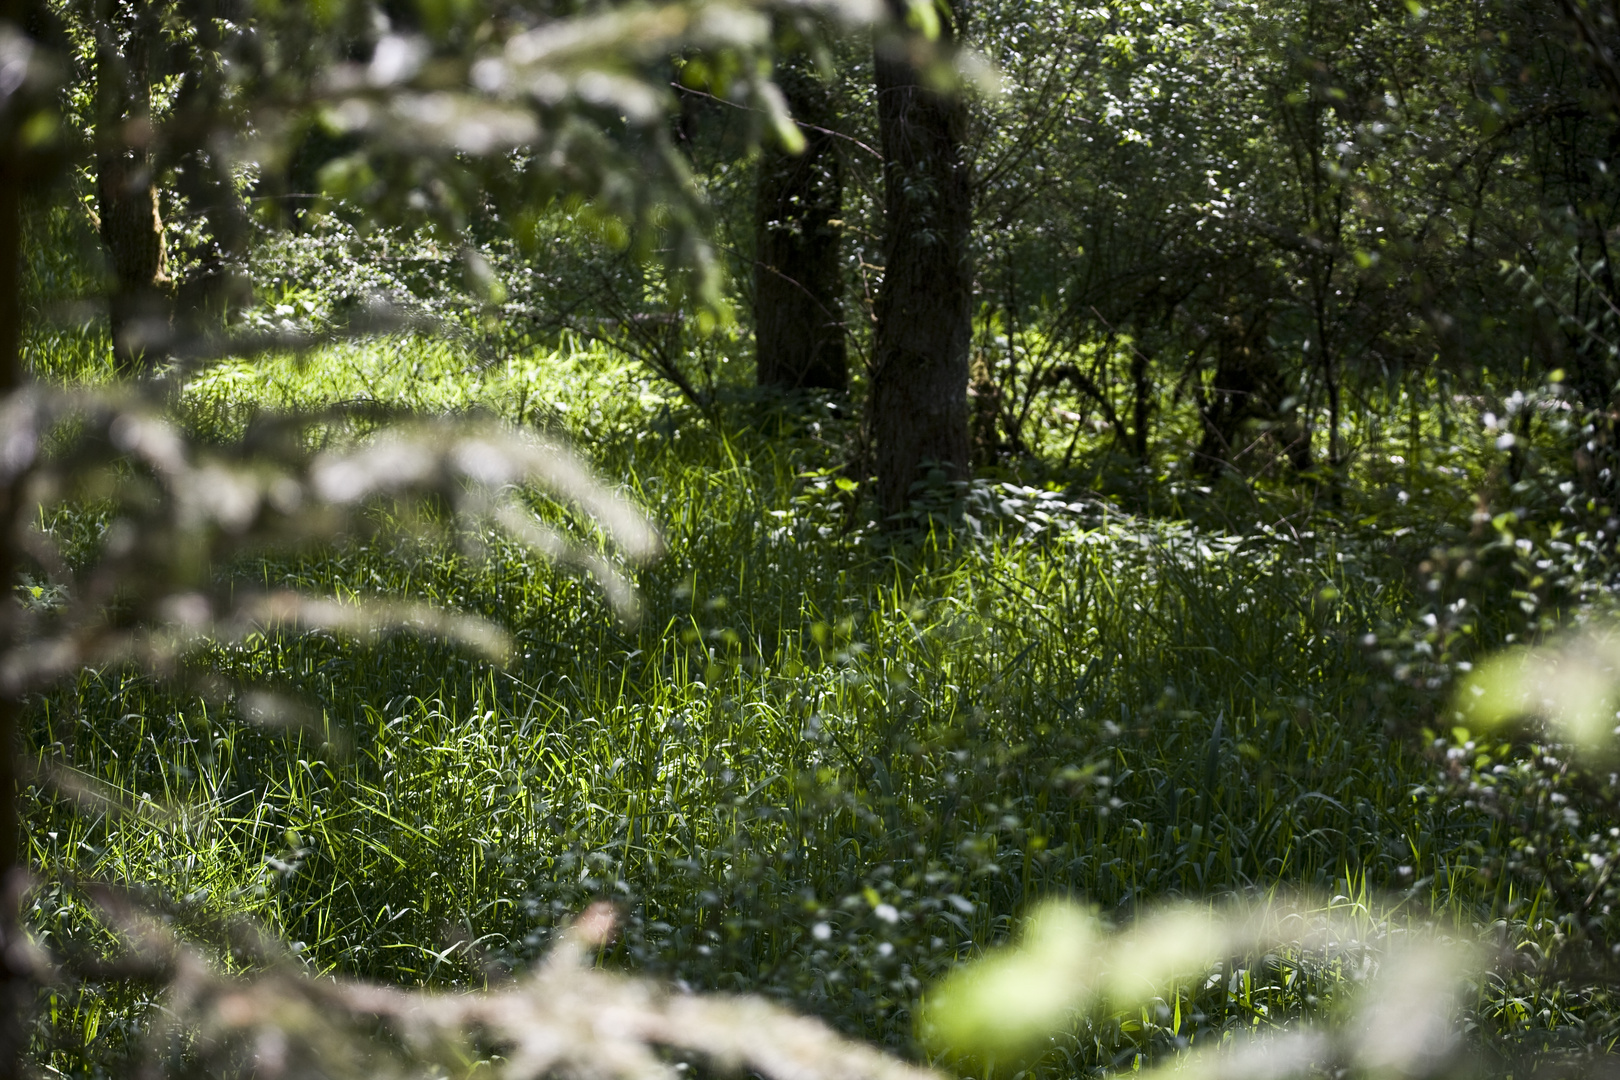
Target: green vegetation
(1102,483)
(825,764)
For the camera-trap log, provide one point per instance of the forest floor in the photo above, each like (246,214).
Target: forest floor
(824,764)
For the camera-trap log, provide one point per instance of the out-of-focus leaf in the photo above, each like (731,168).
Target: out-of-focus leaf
(179,509)
(1406,1024)
(507,456)
(522,526)
(269,709)
(96,796)
(1402,1023)
(776,106)
(1147,959)
(1573,685)
(19,434)
(922,16)
(1010,1003)
(1257,1058)
(1065,964)
(1002,1005)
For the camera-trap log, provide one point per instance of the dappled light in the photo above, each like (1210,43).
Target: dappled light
(886,539)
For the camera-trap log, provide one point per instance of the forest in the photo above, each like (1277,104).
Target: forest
(809,539)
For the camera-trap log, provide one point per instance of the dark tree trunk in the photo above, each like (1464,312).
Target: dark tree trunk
(131,226)
(1244,390)
(1141,404)
(918,413)
(798,282)
(1249,389)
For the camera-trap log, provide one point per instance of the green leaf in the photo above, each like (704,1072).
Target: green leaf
(1003,1005)
(1573,687)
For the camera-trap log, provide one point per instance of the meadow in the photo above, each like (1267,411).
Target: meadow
(823,762)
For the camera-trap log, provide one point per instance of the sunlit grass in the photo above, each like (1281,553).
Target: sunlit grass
(820,766)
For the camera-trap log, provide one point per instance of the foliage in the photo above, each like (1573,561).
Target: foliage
(1293,386)
(820,767)
(431,104)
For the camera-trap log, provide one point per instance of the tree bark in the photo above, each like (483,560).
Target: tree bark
(1141,405)
(1246,388)
(127,201)
(918,412)
(798,281)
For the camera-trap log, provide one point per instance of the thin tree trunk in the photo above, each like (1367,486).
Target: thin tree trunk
(918,413)
(1141,404)
(798,279)
(1335,408)
(131,226)
(1335,448)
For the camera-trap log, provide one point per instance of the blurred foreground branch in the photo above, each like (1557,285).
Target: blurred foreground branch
(566,1018)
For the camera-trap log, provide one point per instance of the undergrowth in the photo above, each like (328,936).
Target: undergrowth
(823,765)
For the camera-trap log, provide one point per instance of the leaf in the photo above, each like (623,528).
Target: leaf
(1573,685)
(1001,1006)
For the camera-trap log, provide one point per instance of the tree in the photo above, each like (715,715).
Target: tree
(1271,214)
(917,415)
(799,332)
(131,221)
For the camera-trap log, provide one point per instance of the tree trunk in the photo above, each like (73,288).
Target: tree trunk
(798,281)
(1141,404)
(131,226)
(1249,388)
(918,413)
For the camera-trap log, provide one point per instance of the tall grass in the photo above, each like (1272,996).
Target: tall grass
(821,765)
